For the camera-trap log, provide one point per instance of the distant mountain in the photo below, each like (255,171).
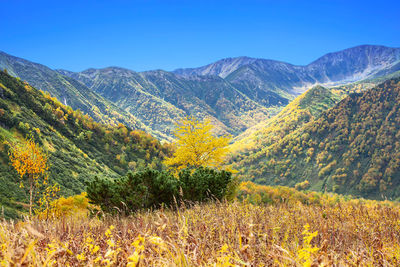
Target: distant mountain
(345,66)
(235,93)
(221,68)
(355,64)
(352,148)
(161,98)
(70,92)
(78,147)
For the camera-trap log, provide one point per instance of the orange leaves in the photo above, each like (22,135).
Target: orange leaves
(59,113)
(28,159)
(74,206)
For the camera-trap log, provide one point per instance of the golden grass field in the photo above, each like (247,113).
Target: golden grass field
(215,234)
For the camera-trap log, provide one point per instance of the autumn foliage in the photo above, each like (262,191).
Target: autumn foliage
(352,148)
(30,161)
(196,146)
(76,206)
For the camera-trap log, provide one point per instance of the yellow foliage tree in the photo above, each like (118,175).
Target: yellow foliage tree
(196,146)
(74,206)
(30,161)
(45,207)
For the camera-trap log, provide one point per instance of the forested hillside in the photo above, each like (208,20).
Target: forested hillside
(161,98)
(353,148)
(77,145)
(71,92)
(300,111)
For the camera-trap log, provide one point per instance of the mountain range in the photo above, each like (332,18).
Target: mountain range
(332,123)
(235,93)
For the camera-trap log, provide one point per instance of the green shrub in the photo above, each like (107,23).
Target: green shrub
(203,184)
(151,188)
(143,189)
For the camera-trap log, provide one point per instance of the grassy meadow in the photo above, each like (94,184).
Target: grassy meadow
(348,233)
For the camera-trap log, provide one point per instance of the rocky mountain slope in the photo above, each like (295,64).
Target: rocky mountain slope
(258,78)
(221,68)
(349,65)
(235,93)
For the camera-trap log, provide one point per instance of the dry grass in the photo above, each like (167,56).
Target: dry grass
(219,234)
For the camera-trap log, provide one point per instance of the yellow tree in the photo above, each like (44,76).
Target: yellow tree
(30,162)
(196,146)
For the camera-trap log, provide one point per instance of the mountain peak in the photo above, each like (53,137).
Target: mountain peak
(222,67)
(354,63)
(371,51)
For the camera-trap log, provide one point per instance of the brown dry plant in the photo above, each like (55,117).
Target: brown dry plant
(215,234)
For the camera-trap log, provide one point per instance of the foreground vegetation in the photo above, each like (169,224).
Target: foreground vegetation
(220,234)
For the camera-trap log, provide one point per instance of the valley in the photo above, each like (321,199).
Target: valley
(200,133)
(338,136)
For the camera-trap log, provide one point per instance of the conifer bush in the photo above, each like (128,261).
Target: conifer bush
(204,183)
(151,188)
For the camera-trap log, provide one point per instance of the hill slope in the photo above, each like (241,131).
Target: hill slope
(78,147)
(324,231)
(353,148)
(70,92)
(253,143)
(160,98)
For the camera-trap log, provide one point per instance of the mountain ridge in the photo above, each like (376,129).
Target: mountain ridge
(244,60)
(71,92)
(200,96)
(235,93)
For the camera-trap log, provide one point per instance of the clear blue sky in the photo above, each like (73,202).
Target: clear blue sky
(150,34)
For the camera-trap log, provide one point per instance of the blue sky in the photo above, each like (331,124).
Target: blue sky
(154,34)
